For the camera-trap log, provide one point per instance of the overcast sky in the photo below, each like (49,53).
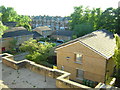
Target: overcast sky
(54,7)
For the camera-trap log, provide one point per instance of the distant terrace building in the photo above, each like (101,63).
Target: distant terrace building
(55,23)
(62,35)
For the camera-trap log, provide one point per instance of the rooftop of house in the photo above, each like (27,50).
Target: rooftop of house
(42,28)
(36,34)
(10,24)
(100,41)
(24,78)
(16,31)
(63,32)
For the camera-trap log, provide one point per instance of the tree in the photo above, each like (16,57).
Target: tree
(23,21)
(9,14)
(2,27)
(116,58)
(83,20)
(96,19)
(38,52)
(83,29)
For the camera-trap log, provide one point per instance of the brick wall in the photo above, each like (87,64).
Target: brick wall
(62,77)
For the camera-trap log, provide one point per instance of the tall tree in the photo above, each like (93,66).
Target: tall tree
(23,21)
(116,58)
(9,14)
(2,27)
(96,18)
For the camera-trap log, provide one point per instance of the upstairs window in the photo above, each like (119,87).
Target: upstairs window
(78,57)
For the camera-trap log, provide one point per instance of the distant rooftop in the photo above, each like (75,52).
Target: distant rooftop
(16,31)
(63,32)
(10,24)
(42,28)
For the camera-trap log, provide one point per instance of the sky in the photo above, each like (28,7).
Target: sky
(55,7)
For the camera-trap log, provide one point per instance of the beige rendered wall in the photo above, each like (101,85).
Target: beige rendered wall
(92,63)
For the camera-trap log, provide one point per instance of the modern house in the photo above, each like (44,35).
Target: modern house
(88,57)
(43,30)
(16,33)
(62,35)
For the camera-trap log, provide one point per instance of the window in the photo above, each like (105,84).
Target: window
(78,58)
(79,74)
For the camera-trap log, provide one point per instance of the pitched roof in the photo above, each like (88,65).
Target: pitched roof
(15,29)
(42,28)
(63,32)
(16,33)
(10,24)
(36,34)
(100,41)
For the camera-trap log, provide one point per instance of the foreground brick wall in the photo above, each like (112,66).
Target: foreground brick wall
(62,77)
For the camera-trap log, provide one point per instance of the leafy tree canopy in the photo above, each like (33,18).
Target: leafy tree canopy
(9,14)
(94,19)
(116,56)
(38,52)
(2,27)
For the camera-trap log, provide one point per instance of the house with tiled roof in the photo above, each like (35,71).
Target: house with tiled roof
(16,33)
(43,30)
(36,35)
(62,35)
(88,58)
